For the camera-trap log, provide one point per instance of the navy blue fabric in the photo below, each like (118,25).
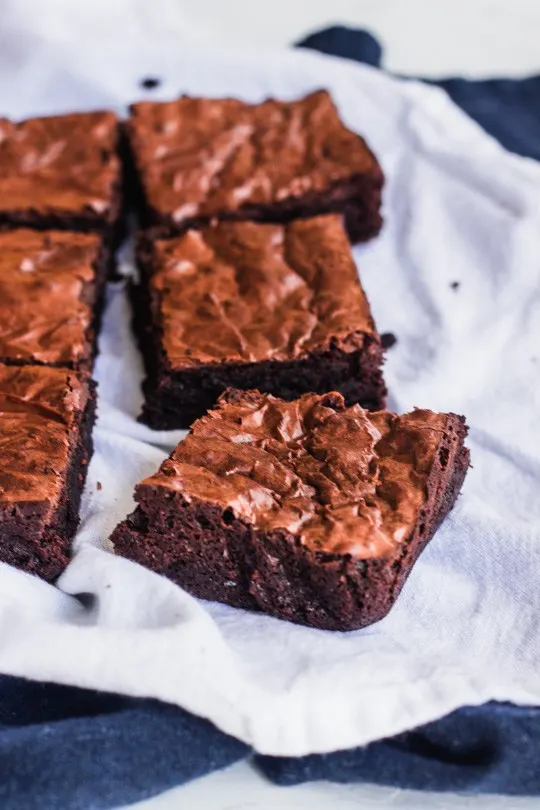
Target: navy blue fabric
(349,43)
(509,109)
(490,749)
(74,749)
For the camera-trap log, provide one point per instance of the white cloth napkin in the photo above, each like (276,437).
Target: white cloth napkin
(465,629)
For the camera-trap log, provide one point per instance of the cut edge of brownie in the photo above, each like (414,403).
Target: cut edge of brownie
(47,555)
(93,295)
(217,556)
(358,198)
(174,399)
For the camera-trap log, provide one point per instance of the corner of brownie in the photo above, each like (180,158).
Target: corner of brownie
(310,511)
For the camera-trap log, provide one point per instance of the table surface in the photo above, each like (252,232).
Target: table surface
(423,37)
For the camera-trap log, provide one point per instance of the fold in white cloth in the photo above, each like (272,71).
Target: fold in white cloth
(465,629)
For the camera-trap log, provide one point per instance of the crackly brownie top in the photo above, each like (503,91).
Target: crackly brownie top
(38,409)
(63,164)
(342,480)
(201,156)
(44,280)
(246,292)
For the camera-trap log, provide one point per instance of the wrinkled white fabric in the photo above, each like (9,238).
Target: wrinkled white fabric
(465,629)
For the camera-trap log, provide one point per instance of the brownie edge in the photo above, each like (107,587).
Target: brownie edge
(218,554)
(51,413)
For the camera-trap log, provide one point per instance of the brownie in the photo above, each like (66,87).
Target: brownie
(309,510)
(253,305)
(195,159)
(62,171)
(46,418)
(51,295)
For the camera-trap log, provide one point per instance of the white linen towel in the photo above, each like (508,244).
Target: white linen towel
(465,630)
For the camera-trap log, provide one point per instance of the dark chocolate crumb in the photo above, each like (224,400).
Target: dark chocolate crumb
(99,485)
(454,285)
(150,83)
(388,339)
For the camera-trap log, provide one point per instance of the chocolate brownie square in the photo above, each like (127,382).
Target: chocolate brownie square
(46,418)
(309,510)
(51,295)
(196,159)
(62,171)
(253,305)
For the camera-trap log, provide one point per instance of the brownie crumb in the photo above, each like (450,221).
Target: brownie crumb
(150,83)
(454,285)
(99,486)
(388,339)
